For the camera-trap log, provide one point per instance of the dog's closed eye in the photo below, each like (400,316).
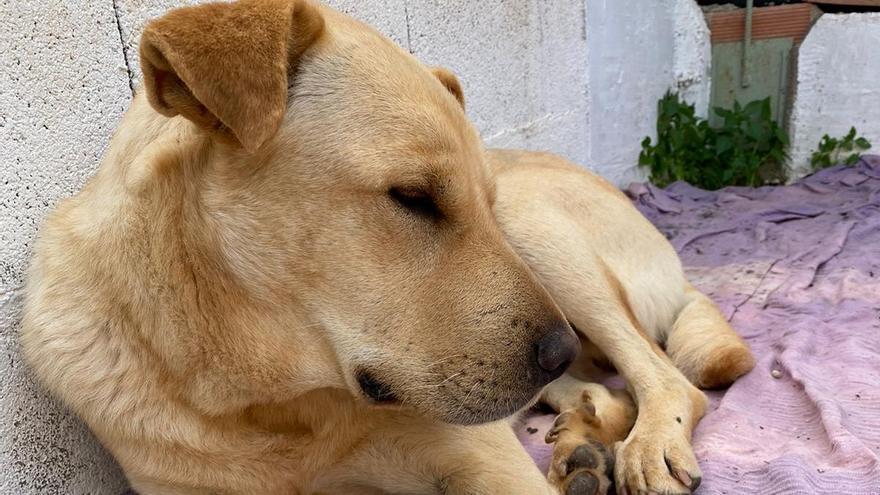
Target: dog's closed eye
(417,201)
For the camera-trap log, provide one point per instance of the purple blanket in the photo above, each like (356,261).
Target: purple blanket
(796,269)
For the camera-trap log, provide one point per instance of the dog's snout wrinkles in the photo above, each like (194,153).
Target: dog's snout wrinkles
(556,350)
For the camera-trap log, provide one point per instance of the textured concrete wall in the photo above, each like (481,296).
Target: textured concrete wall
(638,50)
(63,87)
(838,84)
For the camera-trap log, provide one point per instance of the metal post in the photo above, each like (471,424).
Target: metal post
(747,45)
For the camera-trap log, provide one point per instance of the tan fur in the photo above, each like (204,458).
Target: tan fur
(207,302)
(226,67)
(608,416)
(621,284)
(704,347)
(592,419)
(450,82)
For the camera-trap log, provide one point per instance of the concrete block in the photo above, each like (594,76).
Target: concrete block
(523,66)
(62,90)
(692,55)
(638,50)
(63,87)
(838,84)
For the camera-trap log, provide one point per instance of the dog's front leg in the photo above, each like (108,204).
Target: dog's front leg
(657,456)
(496,464)
(416,456)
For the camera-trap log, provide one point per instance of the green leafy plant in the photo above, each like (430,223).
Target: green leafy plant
(832,151)
(748,149)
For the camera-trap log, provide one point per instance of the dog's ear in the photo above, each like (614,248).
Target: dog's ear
(448,79)
(225,66)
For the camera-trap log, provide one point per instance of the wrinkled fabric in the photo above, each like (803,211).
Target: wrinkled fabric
(796,270)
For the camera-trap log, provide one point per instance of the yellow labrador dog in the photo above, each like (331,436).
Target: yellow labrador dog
(290,275)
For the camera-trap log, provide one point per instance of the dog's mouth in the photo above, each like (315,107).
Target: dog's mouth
(376,390)
(490,407)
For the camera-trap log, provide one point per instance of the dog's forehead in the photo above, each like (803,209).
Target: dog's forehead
(376,76)
(372,104)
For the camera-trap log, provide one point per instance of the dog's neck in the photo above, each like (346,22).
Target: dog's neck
(181,255)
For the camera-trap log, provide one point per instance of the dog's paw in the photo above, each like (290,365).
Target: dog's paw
(586,470)
(581,464)
(656,462)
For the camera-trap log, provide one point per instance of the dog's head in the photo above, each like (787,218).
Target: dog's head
(344,181)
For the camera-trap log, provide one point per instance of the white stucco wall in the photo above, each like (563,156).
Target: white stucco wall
(67,71)
(838,84)
(639,49)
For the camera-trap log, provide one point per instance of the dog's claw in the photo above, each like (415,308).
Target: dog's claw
(684,477)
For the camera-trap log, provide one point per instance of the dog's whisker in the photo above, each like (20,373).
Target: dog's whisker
(442,382)
(445,359)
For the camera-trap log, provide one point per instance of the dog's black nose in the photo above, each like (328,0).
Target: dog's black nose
(556,350)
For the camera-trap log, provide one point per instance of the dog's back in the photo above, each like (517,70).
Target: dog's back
(548,205)
(577,232)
